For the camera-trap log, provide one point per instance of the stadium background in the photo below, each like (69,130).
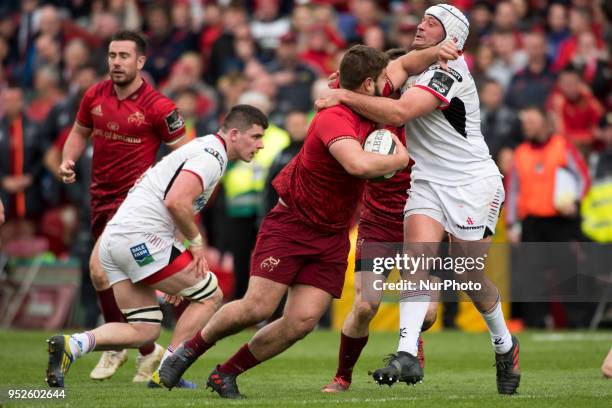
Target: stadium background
(275,54)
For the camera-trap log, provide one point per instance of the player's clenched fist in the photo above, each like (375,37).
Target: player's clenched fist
(447,51)
(66,171)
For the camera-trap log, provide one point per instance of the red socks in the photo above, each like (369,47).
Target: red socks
(239,362)
(350,350)
(198,344)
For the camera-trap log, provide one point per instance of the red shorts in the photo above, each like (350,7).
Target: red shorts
(389,234)
(99,219)
(290,253)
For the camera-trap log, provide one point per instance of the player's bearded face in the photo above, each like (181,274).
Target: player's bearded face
(379,85)
(124,63)
(429,32)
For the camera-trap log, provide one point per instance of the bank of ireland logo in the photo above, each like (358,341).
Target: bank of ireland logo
(269,264)
(141,254)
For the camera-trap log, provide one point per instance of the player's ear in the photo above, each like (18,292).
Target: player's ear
(140,61)
(368,85)
(233,134)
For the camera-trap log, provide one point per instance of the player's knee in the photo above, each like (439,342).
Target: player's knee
(149,332)
(301,327)
(257,307)
(365,311)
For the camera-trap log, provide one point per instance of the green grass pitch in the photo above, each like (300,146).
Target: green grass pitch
(559,369)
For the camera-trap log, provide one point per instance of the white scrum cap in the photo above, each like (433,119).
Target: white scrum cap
(454,22)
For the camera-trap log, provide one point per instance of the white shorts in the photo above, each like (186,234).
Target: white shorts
(468,212)
(134,256)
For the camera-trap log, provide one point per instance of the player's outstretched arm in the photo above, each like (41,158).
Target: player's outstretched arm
(414,103)
(362,164)
(179,201)
(417,61)
(73,148)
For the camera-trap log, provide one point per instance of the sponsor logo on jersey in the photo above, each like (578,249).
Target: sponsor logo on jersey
(269,264)
(455,74)
(136,118)
(448,70)
(441,83)
(97,110)
(216,155)
(114,126)
(174,121)
(470,227)
(469,221)
(141,254)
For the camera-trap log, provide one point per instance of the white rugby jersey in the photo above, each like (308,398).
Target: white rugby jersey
(447,145)
(144,209)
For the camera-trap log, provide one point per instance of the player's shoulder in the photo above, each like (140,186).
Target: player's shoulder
(153,100)
(338,112)
(209,147)
(100,89)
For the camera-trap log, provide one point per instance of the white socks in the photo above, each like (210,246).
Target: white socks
(81,343)
(500,336)
(412,313)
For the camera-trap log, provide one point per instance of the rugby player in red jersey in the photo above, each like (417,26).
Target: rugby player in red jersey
(127,120)
(303,243)
(380,221)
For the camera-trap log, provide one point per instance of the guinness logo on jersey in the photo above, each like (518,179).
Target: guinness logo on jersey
(113,126)
(136,118)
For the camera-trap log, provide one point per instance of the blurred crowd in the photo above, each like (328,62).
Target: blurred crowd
(542,69)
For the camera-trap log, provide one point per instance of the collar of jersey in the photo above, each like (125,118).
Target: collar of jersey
(134,94)
(221,140)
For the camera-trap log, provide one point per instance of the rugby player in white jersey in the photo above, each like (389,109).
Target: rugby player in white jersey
(456,188)
(140,253)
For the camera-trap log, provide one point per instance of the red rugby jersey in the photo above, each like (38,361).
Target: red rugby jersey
(384,201)
(126,134)
(314,185)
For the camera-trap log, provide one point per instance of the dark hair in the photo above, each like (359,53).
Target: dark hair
(569,69)
(136,38)
(242,117)
(538,109)
(359,63)
(395,53)
(490,81)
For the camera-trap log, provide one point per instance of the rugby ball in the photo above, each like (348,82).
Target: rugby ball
(380,141)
